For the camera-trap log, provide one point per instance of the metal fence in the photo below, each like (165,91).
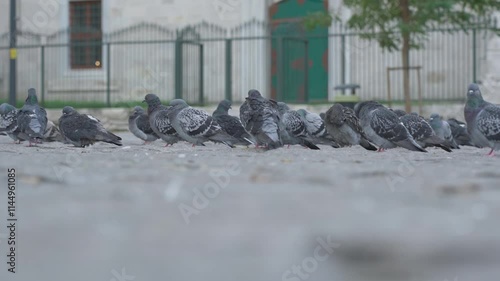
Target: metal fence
(205,63)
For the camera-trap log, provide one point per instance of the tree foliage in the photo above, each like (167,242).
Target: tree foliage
(384,21)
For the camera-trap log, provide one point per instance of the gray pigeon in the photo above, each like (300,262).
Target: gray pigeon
(315,127)
(196,126)
(231,124)
(159,121)
(483,120)
(383,127)
(83,130)
(459,132)
(343,125)
(261,119)
(422,131)
(52,133)
(322,115)
(8,121)
(295,131)
(138,124)
(31,119)
(443,130)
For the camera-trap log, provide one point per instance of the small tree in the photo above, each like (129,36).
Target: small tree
(405,24)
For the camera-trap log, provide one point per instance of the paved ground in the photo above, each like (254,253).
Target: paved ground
(146,212)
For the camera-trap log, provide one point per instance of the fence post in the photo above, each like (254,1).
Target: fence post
(108,75)
(42,73)
(306,71)
(474,56)
(202,97)
(280,62)
(342,62)
(178,68)
(229,67)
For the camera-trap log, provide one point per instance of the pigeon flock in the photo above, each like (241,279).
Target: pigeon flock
(267,124)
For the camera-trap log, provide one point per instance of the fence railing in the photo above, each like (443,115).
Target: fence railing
(205,63)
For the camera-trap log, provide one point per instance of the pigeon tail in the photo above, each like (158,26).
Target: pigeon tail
(438,142)
(309,145)
(410,145)
(367,145)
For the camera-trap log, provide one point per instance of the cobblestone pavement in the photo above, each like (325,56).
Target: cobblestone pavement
(148,212)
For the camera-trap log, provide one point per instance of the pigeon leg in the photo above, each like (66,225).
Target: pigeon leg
(193,145)
(380,149)
(31,143)
(165,145)
(288,146)
(492,152)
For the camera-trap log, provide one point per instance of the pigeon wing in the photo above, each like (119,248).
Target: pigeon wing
(387,125)
(488,122)
(197,123)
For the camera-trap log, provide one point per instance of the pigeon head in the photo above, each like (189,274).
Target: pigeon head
(6,108)
(283,107)
(225,104)
(137,111)
(359,107)
(31,99)
(180,103)
(336,114)
(152,100)
(435,120)
(254,94)
(68,110)
(302,112)
(223,107)
(474,97)
(322,115)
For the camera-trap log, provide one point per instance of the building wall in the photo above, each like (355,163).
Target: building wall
(136,71)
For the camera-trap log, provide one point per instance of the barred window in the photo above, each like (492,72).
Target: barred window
(85,34)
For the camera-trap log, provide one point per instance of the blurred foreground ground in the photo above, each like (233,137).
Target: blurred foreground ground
(114,213)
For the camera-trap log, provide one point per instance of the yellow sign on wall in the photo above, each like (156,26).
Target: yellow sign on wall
(13,53)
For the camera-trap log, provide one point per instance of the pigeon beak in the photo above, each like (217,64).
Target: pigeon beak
(143,101)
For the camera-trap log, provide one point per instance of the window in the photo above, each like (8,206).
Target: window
(85,34)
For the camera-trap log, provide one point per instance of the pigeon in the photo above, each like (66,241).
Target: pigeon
(443,130)
(159,121)
(31,119)
(295,131)
(8,121)
(196,126)
(231,124)
(83,130)
(483,120)
(459,132)
(52,133)
(422,131)
(315,127)
(138,125)
(383,127)
(261,119)
(343,126)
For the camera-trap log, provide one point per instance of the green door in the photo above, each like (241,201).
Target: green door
(293,79)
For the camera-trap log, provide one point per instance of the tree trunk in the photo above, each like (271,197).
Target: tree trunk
(405,52)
